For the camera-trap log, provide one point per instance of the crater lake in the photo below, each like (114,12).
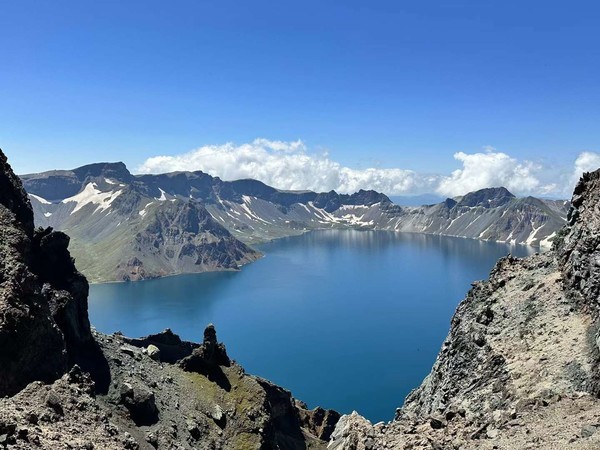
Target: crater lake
(348,320)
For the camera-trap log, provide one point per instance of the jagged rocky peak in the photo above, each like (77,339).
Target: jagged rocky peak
(207,358)
(44,326)
(487,198)
(367,197)
(13,196)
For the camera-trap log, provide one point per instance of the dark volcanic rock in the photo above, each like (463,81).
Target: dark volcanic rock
(320,422)
(208,358)
(14,198)
(209,354)
(212,350)
(578,248)
(487,198)
(284,422)
(44,326)
(32,345)
(172,348)
(140,402)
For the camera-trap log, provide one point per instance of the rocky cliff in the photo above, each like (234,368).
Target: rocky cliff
(65,386)
(519,368)
(44,327)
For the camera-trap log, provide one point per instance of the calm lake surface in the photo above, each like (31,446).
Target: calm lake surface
(349,320)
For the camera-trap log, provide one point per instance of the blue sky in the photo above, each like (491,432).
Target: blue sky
(384,84)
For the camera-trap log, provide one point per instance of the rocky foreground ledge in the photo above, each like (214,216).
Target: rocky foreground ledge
(163,394)
(65,386)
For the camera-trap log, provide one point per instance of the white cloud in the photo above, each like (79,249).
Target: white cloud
(491,169)
(288,165)
(585,162)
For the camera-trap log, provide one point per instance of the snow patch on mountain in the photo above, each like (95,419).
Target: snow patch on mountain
(547,243)
(144,211)
(40,199)
(163,196)
(91,194)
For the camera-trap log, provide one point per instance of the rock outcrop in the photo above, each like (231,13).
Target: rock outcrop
(579,244)
(63,385)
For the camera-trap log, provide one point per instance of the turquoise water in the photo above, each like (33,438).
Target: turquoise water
(350,320)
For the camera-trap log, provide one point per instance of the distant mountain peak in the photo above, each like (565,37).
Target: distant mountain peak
(487,198)
(114,171)
(56,185)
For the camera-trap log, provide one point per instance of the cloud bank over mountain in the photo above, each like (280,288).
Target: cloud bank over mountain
(291,165)
(489,169)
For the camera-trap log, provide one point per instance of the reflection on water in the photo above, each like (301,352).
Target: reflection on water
(345,319)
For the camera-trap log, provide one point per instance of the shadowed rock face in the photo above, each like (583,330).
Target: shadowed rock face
(578,250)
(580,242)
(44,326)
(32,345)
(14,198)
(321,422)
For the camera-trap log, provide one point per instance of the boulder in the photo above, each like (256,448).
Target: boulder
(140,402)
(153,352)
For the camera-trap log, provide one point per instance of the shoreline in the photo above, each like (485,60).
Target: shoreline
(538,248)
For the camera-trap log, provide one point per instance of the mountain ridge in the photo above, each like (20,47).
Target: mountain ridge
(105,196)
(93,201)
